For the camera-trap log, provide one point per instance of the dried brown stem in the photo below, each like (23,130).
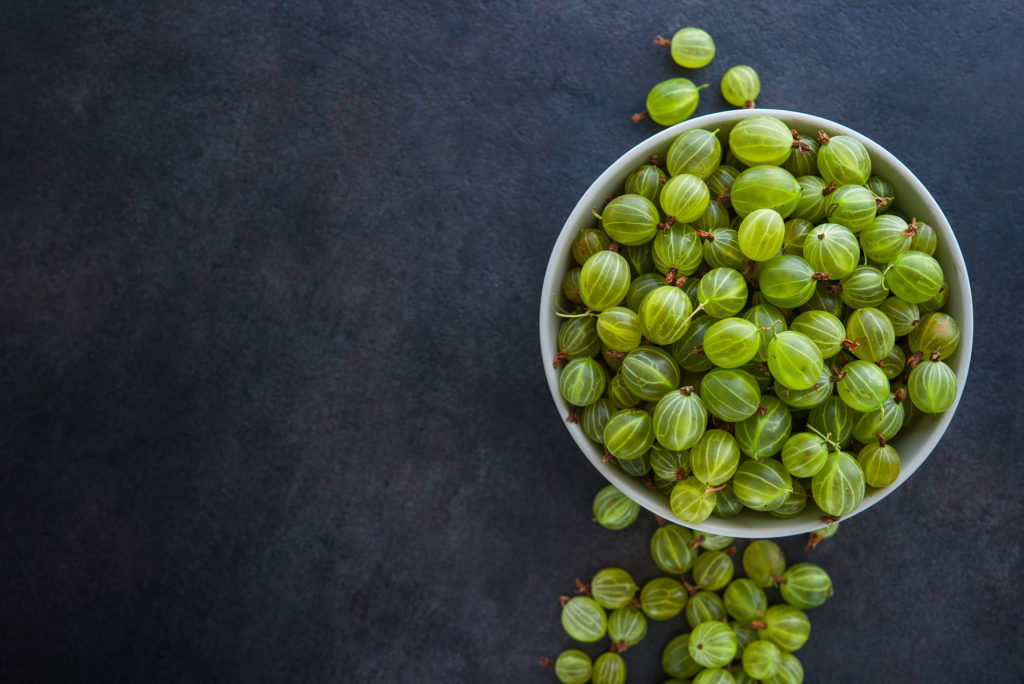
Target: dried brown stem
(639,116)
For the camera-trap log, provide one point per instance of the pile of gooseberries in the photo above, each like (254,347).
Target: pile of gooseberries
(734,628)
(746,337)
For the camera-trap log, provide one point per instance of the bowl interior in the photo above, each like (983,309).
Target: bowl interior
(914,443)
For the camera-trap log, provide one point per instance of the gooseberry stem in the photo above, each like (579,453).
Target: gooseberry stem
(757,624)
(825,437)
(662,42)
(823,138)
(546,662)
(639,116)
(559,357)
(585,314)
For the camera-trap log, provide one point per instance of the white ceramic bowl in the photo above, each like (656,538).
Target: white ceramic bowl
(914,443)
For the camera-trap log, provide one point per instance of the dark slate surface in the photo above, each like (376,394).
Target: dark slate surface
(272,403)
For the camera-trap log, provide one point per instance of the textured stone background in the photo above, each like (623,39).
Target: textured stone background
(272,403)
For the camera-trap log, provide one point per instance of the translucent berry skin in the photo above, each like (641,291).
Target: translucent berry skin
(932,386)
(664,315)
(714,675)
(629,433)
(794,360)
(578,337)
(571,285)
(680,420)
(685,349)
(805,586)
(741,86)
(613,509)
(637,467)
(745,600)
(823,329)
(914,277)
(834,419)
(691,501)
(763,434)
(727,505)
(618,328)
(813,202)
(712,644)
(885,421)
(790,671)
(630,219)
(721,179)
(676,660)
(762,659)
(795,502)
(926,239)
(613,588)
(761,140)
(881,464)
(852,206)
(935,331)
(803,158)
(884,238)
(650,372)
(765,187)
(671,550)
(573,667)
(786,626)
(903,315)
(679,248)
(713,570)
(673,100)
(761,234)
(844,161)
(604,280)
(685,197)
(697,151)
(627,626)
(647,181)
(833,249)
(722,292)
(639,257)
(609,668)
(864,287)
(595,417)
(731,342)
(863,386)
(584,619)
(669,464)
(663,598)
(730,394)
(715,216)
(809,398)
(882,189)
(894,362)
(769,321)
(838,488)
(872,332)
(619,394)
(692,48)
(762,560)
(787,281)
(581,382)
(590,241)
(715,457)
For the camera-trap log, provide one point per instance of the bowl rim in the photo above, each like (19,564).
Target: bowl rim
(593,196)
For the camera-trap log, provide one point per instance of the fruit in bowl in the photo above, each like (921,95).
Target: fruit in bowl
(767,324)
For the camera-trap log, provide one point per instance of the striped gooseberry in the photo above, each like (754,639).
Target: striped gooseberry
(627,627)
(629,433)
(664,315)
(712,644)
(639,257)
(797,230)
(713,570)
(795,502)
(932,386)
(672,550)
(761,140)
(815,395)
(813,200)
(650,372)
(870,334)
(640,287)
(714,675)
(582,381)
(577,337)
(838,488)
(852,206)
(594,417)
(604,280)
(720,182)
(692,501)
(619,394)
(745,600)
(762,561)
(762,485)
(646,181)
(731,342)
(826,331)
(769,322)
(803,156)
(613,509)
(668,464)
(787,281)
(825,298)
(584,619)
(883,191)
(637,467)
(715,457)
(804,454)
(609,668)
(935,332)
(590,241)
(741,86)
(727,505)
(790,671)
(663,598)
(785,626)
(925,239)
(685,197)
(730,394)
(843,159)
(880,463)
(571,285)
(715,216)
(762,659)
(805,586)
(692,47)
(862,386)
(696,151)
(722,249)
(763,434)
(761,234)
(894,362)
(573,667)
(613,588)
(672,100)
(722,292)
(676,660)
(885,421)
(863,287)
(688,350)
(677,250)
(904,316)
(914,276)
(630,219)
(833,249)
(885,237)
(680,419)
(794,360)
(832,419)
(619,328)
(764,187)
